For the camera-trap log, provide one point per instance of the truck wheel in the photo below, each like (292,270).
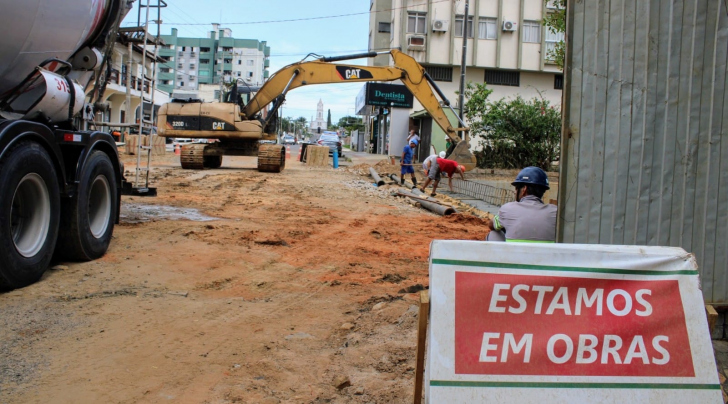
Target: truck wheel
(29,214)
(87,219)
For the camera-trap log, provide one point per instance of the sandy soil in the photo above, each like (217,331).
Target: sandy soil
(299,280)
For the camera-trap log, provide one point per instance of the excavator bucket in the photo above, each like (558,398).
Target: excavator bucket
(463,156)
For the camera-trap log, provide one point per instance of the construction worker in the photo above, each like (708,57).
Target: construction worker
(414,136)
(448,143)
(428,162)
(527,219)
(406,161)
(446,166)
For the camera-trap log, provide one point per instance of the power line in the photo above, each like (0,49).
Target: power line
(309,18)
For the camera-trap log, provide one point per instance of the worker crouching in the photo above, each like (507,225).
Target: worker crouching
(528,219)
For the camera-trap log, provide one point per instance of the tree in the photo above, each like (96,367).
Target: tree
(514,133)
(350,123)
(555,21)
(328,120)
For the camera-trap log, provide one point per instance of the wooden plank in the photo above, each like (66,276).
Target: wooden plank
(421,341)
(712,317)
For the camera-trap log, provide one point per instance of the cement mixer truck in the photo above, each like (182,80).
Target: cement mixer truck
(60,187)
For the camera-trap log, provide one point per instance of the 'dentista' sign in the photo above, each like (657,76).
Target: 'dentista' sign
(542,323)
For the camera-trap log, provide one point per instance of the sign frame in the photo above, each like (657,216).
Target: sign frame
(606,262)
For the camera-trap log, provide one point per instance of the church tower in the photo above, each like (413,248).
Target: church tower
(319,124)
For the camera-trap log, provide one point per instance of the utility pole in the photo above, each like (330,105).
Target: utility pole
(461,99)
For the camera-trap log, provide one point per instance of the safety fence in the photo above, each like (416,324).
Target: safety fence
(487,193)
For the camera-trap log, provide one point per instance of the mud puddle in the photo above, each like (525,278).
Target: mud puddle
(139,213)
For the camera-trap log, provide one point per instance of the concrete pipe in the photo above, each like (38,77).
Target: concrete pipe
(442,210)
(376,176)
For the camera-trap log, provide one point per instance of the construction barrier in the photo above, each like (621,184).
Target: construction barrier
(555,323)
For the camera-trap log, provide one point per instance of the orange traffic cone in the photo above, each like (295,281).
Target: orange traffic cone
(288,152)
(299,153)
(177,149)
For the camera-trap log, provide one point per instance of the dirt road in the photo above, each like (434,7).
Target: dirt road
(293,283)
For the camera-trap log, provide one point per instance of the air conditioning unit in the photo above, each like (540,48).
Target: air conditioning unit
(416,42)
(509,26)
(440,25)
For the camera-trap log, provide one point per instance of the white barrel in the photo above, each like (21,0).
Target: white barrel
(35,30)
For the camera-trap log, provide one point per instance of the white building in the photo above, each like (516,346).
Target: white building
(507,47)
(115,94)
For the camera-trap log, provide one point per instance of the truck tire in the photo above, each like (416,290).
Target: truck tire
(29,214)
(87,219)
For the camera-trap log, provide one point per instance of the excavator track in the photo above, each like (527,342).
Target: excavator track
(192,156)
(271,158)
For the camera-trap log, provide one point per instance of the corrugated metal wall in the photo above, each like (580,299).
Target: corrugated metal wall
(645,144)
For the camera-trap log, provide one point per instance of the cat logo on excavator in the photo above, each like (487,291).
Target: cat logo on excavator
(353,73)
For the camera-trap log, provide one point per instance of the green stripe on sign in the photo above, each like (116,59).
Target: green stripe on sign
(558,268)
(546,385)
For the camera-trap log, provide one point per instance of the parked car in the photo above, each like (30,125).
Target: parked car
(288,139)
(331,140)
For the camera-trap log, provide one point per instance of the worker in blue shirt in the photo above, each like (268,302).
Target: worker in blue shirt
(528,219)
(406,161)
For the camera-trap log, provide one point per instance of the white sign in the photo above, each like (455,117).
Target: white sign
(555,323)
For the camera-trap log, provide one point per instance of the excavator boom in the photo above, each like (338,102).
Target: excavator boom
(405,68)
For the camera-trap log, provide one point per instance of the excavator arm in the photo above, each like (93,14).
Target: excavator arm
(322,71)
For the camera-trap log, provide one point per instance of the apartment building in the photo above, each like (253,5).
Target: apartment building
(507,47)
(190,62)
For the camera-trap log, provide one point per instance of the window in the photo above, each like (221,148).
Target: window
(239,74)
(503,78)
(487,28)
(250,62)
(179,66)
(385,27)
(192,67)
(416,22)
(416,41)
(439,73)
(204,61)
(459,26)
(240,62)
(184,48)
(166,46)
(204,49)
(250,74)
(531,32)
(181,83)
(227,48)
(552,40)
(192,78)
(558,81)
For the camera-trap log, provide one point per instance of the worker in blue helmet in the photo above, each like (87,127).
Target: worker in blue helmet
(527,219)
(407,161)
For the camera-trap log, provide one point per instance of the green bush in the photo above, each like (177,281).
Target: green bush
(512,133)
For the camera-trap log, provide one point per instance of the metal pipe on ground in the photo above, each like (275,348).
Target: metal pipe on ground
(442,210)
(376,176)
(396,179)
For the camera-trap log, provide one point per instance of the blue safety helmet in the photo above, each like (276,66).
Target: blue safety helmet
(414,141)
(532,176)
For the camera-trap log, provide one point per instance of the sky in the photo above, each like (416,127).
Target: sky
(289,41)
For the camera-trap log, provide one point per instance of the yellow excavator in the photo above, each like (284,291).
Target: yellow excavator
(240,126)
